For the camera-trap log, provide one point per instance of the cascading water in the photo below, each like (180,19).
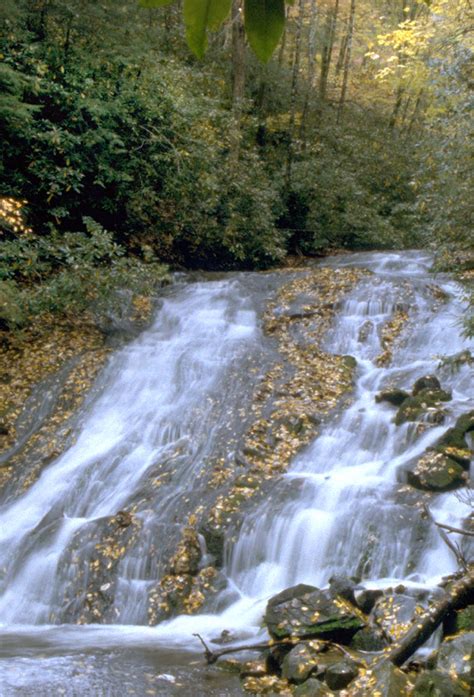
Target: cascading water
(342,507)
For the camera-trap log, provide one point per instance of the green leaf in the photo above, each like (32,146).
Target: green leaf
(154,3)
(199,15)
(264,22)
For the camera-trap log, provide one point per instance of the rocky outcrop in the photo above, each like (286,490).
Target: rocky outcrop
(437,472)
(305,611)
(426,403)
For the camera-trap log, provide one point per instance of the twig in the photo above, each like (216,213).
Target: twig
(457,530)
(452,546)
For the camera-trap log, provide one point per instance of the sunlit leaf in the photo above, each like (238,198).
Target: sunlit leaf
(201,15)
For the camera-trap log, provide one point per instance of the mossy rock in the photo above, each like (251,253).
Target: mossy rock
(305,611)
(456,657)
(395,396)
(427,382)
(434,683)
(437,472)
(415,407)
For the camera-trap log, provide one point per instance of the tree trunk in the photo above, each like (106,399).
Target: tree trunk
(294,93)
(347,60)
(238,72)
(326,53)
(458,596)
(311,70)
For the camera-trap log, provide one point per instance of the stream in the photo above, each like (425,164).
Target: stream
(177,394)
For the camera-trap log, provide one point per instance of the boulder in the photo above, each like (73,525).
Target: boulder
(312,688)
(436,471)
(427,382)
(300,662)
(369,639)
(433,683)
(343,586)
(456,657)
(305,611)
(454,443)
(394,613)
(339,675)
(384,681)
(367,598)
(416,407)
(393,396)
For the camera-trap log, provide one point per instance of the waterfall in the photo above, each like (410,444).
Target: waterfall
(173,396)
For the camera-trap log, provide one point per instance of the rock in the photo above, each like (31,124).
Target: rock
(433,683)
(215,542)
(369,639)
(253,668)
(188,555)
(299,663)
(428,382)
(123,519)
(454,443)
(394,614)
(304,611)
(393,396)
(350,362)
(418,406)
(436,472)
(343,586)
(456,657)
(339,675)
(312,688)
(367,598)
(384,681)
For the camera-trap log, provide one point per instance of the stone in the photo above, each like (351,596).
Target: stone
(433,683)
(456,657)
(414,408)
(385,680)
(305,611)
(393,396)
(435,471)
(369,639)
(299,663)
(343,586)
(394,613)
(367,598)
(428,382)
(312,688)
(339,675)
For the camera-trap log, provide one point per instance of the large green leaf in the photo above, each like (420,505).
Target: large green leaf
(154,3)
(200,15)
(264,23)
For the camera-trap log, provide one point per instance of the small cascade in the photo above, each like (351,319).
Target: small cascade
(176,398)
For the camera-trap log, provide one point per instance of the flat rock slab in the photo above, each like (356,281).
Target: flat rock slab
(305,611)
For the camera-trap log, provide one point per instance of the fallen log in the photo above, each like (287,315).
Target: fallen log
(458,596)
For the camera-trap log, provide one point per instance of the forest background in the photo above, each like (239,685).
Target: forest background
(124,154)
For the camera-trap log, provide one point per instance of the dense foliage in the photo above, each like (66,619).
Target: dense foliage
(108,124)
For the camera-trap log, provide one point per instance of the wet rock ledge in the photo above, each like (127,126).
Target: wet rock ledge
(340,641)
(304,385)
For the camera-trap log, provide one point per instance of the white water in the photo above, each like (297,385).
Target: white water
(338,510)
